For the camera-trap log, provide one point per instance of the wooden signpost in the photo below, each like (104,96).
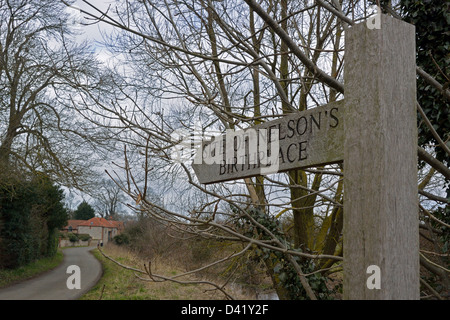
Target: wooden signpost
(374,132)
(309,138)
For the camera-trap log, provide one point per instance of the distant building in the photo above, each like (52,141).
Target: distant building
(100,229)
(72,226)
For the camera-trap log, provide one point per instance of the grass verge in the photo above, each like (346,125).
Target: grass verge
(118,283)
(11,276)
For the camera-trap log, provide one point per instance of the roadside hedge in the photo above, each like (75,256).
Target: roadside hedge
(31,213)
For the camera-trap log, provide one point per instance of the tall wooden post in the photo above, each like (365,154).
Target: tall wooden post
(381,238)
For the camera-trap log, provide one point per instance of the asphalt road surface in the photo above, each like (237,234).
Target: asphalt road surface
(54,284)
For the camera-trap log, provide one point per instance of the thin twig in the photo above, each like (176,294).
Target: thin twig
(101,293)
(434,292)
(431,128)
(152,276)
(434,264)
(433,217)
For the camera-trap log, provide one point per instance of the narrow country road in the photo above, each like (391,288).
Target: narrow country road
(52,285)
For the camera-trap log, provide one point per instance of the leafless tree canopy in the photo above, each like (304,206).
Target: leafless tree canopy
(216,65)
(44,74)
(204,65)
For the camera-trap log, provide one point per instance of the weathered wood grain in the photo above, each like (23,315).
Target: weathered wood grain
(310,138)
(380,161)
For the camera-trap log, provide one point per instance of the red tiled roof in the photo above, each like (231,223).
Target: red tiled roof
(96,222)
(73,223)
(118,224)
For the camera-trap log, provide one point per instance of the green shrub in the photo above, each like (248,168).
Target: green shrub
(31,212)
(63,235)
(84,237)
(121,239)
(19,232)
(52,244)
(73,237)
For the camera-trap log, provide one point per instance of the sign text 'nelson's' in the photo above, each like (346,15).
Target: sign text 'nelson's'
(309,138)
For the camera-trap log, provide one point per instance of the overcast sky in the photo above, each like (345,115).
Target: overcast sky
(92,32)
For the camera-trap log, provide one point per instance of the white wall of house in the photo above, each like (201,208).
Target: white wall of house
(94,232)
(99,233)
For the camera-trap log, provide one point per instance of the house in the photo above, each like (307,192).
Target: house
(100,229)
(72,226)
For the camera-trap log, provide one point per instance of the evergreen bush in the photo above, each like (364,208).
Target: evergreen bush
(31,212)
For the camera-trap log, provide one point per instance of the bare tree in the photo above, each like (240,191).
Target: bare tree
(217,65)
(43,71)
(109,199)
